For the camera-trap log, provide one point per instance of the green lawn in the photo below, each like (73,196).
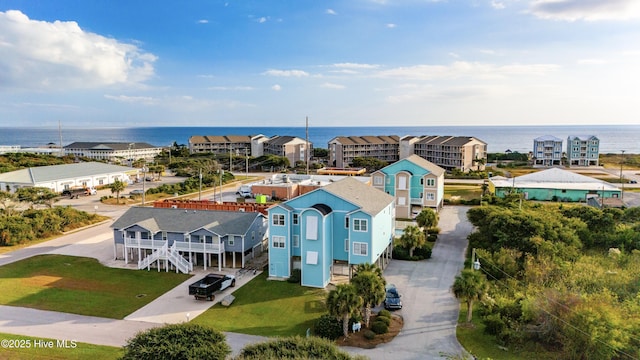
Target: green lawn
(268,308)
(484,346)
(462,192)
(35,352)
(81,285)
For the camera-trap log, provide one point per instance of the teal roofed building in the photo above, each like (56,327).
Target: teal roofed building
(414,182)
(554,185)
(329,230)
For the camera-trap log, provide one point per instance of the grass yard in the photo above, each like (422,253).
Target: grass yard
(484,346)
(463,192)
(81,350)
(80,285)
(268,308)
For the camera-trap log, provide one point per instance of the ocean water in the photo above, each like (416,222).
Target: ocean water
(613,138)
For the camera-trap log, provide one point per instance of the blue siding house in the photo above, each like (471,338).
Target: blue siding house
(340,225)
(179,238)
(414,182)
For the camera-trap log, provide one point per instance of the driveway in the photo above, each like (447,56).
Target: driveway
(430,311)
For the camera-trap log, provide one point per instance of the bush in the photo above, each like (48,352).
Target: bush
(328,327)
(294,348)
(379,327)
(494,324)
(419,253)
(177,341)
(296,276)
(384,313)
(368,334)
(423,252)
(383,319)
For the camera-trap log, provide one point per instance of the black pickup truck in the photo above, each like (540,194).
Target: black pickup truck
(205,287)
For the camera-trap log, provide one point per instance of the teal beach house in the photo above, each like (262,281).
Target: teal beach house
(329,230)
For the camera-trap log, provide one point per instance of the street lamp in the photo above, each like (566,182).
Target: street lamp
(144,180)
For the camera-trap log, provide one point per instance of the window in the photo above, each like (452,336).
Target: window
(402,201)
(145,235)
(164,235)
(346,245)
(431,182)
(360,248)
(278,241)
(277,219)
(421,195)
(131,234)
(421,181)
(295,219)
(209,240)
(431,196)
(296,241)
(231,240)
(377,180)
(359,225)
(346,222)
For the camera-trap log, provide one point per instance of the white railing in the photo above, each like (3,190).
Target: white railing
(156,255)
(180,262)
(198,247)
(143,243)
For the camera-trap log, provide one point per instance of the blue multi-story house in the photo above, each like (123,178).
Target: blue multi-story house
(583,150)
(415,183)
(547,150)
(342,224)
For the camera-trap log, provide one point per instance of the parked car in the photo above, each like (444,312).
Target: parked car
(136,192)
(392,299)
(633,181)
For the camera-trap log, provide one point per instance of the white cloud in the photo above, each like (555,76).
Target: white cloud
(589,10)
(390,26)
(146,100)
(286,73)
(203,21)
(592,62)
(461,69)
(61,55)
(331,12)
(497,5)
(355,66)
(262,20)
(276,87)
(332,86)
(454,55)
(233,88)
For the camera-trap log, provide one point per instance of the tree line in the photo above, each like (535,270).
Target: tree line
(563,276)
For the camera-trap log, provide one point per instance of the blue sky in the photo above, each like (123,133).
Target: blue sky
(107,63)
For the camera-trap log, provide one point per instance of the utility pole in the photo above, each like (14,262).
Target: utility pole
(307,151)
(621,177)
(230,158)
(221,176)
(200,186)
(246,164)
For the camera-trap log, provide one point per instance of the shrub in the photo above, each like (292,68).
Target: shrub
(379,327)
(177,341)
(383,319)
(494,324)
(368,334)
(328,327)
(296,276)
(384,313)
(423,252)
(294,348)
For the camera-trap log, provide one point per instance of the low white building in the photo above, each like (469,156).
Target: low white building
(119,152)
(67,176)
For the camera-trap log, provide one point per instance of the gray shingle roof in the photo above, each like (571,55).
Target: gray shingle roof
(369,199)
(184,221)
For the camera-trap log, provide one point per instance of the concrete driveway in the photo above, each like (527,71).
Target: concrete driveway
(430,311)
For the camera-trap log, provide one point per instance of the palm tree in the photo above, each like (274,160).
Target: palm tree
(470,286)
(371,268)
(427,218)
(343,302)
(116,187)
(412,238)
(371,288)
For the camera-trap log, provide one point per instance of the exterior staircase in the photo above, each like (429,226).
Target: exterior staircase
(165,253)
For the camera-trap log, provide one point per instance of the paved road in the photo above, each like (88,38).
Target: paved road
(430,310)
